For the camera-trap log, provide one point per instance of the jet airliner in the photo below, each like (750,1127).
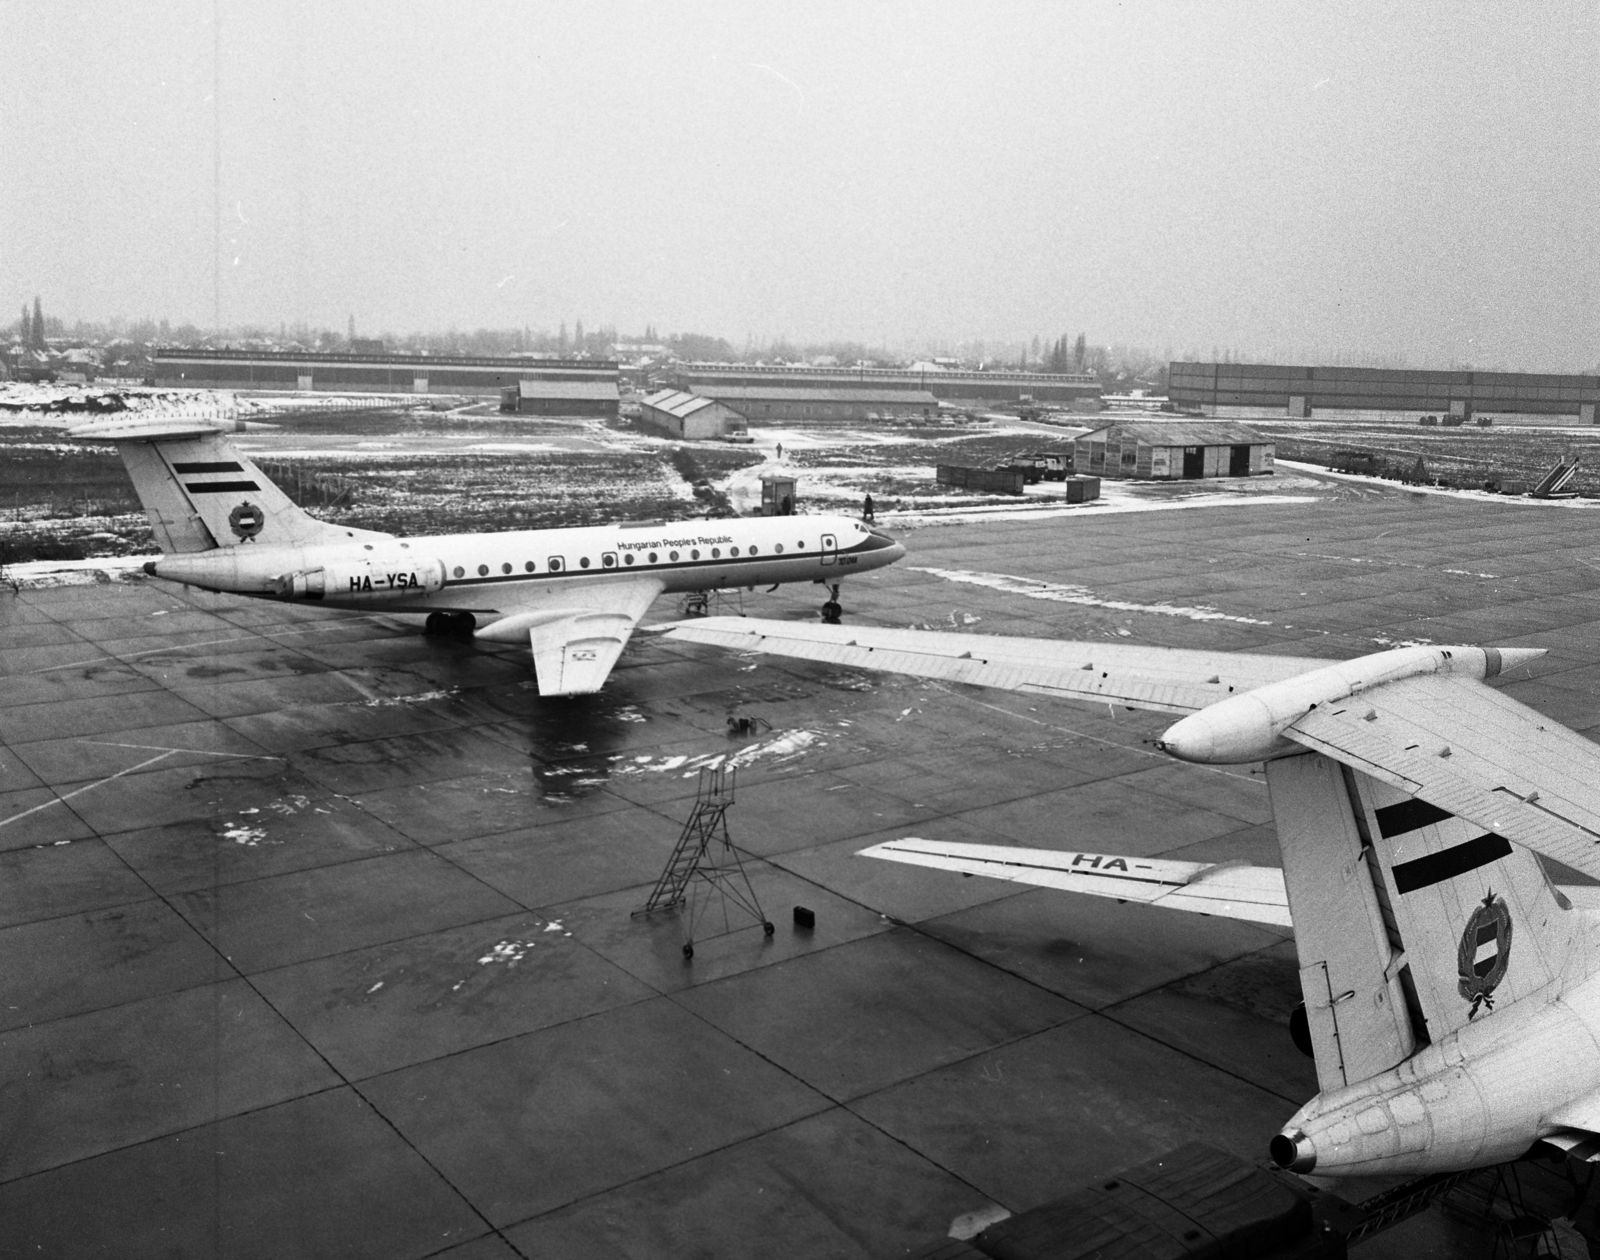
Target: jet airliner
(573,596)
(1451,990)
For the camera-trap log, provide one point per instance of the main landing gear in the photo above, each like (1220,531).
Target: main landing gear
(832,609)
(450,625)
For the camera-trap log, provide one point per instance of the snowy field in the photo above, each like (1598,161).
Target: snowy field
(413,465)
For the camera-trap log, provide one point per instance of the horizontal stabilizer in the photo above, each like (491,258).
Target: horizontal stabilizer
(1252,893)
(1475,753)
(1171,680)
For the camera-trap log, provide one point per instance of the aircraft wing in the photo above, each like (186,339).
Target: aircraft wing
(1172,680)
(577,639)
(1473,752)
(1252,893)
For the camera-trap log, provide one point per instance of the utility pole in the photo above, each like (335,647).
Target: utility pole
(216,165)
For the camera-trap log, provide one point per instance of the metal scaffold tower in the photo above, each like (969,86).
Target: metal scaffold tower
(705,873)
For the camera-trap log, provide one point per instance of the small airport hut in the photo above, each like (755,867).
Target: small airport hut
(689,416)
(777,494)
(1164,450)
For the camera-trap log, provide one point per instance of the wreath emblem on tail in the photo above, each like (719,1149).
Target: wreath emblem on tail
(246,521)
(1484,953)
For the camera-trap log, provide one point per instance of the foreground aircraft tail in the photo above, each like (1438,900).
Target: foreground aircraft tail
(200,492)
(1410,923)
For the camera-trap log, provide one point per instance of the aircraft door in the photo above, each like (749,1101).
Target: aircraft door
(830,549)
(608,560)
(557,564)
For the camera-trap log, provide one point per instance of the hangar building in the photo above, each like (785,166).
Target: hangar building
(946,385)
(689,416)
(1215,388)
(805,405)
(1164,450)
(561,398)
(380,373)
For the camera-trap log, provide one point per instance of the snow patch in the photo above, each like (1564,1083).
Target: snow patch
(1066,594)
(508,952)
(420,697)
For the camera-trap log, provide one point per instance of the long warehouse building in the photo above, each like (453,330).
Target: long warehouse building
(574,386)
(946,385)
(1215,389)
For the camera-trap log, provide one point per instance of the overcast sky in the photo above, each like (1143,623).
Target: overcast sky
(1418,181)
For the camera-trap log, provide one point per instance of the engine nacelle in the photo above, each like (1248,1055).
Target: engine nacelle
(1250,727)
(379,578)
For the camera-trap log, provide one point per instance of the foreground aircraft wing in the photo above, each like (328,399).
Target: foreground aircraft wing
(1172,680)
(1253,893)
(577,639)
(1474,752)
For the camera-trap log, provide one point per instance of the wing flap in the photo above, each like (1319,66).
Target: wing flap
(576,645)
(1171,680)
(1475,753)
(1253,893)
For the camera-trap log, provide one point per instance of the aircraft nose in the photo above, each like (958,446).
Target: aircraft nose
(1293,1150)
(878,541)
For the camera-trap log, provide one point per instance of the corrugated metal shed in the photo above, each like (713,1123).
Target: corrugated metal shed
(1173,451)
(689,416)
(677,403)
(1176,433)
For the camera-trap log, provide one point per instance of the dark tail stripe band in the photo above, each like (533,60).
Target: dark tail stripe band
(1448,863)
(219,466)
(1408,815)
(220,487)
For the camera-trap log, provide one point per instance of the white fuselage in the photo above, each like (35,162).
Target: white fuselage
(1482,1095)
(484,573)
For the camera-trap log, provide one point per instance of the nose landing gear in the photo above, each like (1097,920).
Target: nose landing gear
(832,609)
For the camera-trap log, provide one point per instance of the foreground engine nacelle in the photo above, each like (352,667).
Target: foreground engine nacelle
(1250,727)
(378,578)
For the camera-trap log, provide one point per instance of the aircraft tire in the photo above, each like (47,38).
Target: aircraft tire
(434,625)
(831,612)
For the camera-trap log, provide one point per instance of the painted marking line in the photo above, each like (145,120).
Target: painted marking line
(183,647)
(194,752)
(89,787)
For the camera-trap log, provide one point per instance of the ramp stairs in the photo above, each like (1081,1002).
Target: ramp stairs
(705,874)
(1553,485)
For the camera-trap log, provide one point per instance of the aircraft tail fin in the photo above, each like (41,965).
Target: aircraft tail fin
(200,492)
(1482,924)
(1360,1015)
(1404,917)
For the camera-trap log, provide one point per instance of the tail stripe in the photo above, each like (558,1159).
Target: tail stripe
(1435,868)
(223,465)
(1408,815)
(219,487)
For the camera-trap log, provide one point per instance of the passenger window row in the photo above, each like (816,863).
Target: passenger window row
(609,560)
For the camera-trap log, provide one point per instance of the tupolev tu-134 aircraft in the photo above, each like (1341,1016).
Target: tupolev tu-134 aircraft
(1451,990)
(573,595)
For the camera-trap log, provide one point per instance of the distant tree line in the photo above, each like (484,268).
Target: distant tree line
(31,328)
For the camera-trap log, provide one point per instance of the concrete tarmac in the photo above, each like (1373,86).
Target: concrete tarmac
(317,934)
